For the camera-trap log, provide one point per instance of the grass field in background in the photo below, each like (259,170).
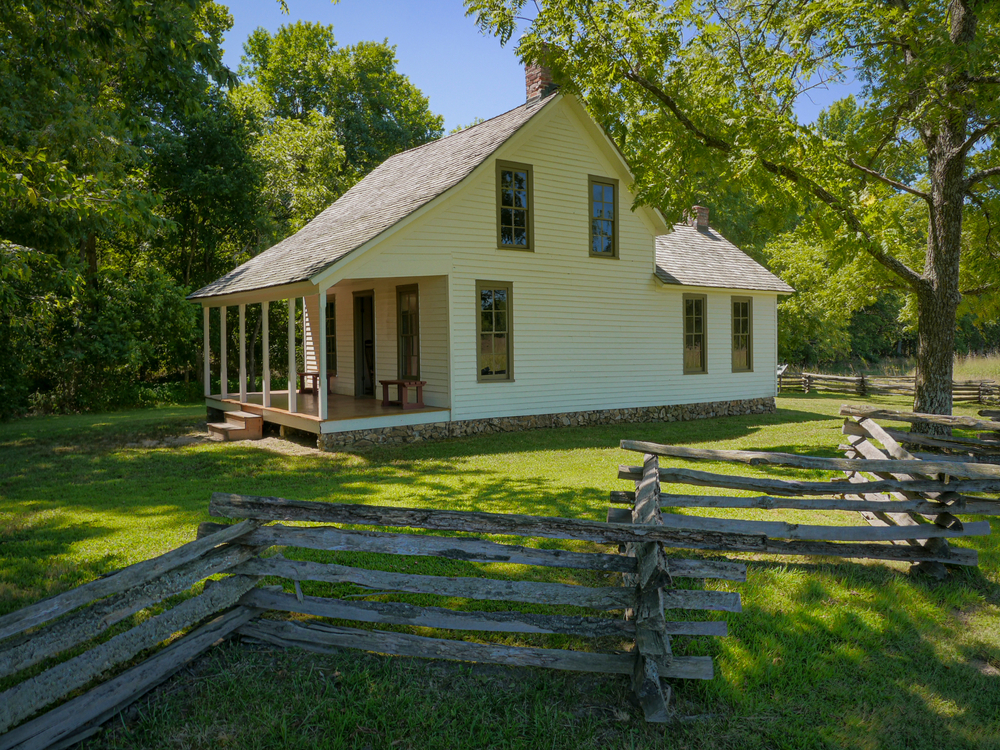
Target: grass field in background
(825,653)
(967,367)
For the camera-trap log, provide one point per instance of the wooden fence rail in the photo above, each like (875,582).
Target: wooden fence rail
(77,616)
(645,598)
(965,391)
(50,629)
(878,485)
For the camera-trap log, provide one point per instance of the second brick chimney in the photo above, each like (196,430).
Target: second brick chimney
(699,218)
(538,81)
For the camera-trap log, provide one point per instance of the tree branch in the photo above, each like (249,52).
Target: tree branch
(979,290)
(903,271)
(888,181)
(980,176)
(975,136)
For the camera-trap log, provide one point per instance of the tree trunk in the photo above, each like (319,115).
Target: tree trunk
(938,297)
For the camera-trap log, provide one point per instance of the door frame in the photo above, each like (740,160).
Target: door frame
(359,351)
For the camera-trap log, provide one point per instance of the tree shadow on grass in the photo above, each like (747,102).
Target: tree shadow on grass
(853,656)
(32,557)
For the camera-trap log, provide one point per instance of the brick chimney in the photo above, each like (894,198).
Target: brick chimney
(699,218)
(538,81)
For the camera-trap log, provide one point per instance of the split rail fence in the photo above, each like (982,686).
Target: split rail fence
(946,457)
(964,391)
(895,491)
(935,489)
(41,632)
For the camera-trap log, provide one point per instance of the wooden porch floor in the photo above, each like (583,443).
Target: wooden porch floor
(342,410)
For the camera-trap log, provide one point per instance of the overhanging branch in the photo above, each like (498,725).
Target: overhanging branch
(903,271)
(980,176)
(888,180)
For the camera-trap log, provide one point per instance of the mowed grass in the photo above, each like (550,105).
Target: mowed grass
(826,653)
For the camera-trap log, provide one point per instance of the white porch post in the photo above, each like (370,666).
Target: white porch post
(207,346)
(243,354)
(224,368)
(292,374)
(324,399)
(266,352)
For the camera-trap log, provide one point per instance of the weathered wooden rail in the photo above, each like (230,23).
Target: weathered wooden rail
(951,457)
(47,630)
(643,640)
(55,625)
(878,487)
(963,391)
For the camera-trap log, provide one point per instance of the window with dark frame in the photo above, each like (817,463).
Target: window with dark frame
(494,353)
(603,217)
(331,335)
(514,206)
(694,333)
(408,326)
(742,334)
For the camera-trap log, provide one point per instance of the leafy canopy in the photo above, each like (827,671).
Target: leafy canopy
(376,110)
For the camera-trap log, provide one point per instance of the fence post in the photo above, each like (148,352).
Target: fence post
(805,382)
(651,639)
(862,386)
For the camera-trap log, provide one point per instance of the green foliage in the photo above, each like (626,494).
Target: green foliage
(458,128)
(299,159)
(203,168)
(376,111)
(77,90)
(93,346)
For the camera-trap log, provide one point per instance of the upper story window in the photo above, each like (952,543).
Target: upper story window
(408,326)
(695,359)
(603,217)
(514,206)
(742,334)
(331,335)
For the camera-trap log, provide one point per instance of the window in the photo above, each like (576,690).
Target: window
(694,333)
(331,335)
(742,334)
(408,327)
(514,202)
(603,202)
(495,353)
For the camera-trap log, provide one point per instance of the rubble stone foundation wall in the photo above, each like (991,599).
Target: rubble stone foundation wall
(443,430)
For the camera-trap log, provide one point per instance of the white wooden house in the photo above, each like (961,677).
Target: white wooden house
(504,267)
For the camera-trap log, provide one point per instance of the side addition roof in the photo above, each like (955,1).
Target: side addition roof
(693,257)
(391,192)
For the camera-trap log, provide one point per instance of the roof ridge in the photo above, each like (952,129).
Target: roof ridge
(442,139)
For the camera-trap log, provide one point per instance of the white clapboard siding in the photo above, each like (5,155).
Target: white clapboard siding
(432,295)
(582,326)
(310,322)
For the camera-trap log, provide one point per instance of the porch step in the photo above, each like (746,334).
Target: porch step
(239,425)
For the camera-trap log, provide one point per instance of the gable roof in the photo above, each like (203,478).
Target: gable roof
(692,257)
(391,192)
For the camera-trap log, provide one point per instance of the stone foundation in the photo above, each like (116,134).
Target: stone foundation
(443,430)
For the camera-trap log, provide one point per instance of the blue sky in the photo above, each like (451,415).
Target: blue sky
(463,73)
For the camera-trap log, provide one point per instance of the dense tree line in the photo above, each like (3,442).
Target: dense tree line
(135,167)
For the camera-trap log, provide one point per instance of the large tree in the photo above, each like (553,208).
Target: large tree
(701,95)
(377,111)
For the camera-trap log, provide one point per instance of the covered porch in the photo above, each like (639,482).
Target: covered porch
(347,337)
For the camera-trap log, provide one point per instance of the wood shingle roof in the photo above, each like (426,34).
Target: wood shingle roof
(391,192)
(693,257)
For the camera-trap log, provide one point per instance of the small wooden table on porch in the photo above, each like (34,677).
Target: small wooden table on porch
(402,387)
(314,378)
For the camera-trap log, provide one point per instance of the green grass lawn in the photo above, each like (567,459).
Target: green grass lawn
(825,653)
